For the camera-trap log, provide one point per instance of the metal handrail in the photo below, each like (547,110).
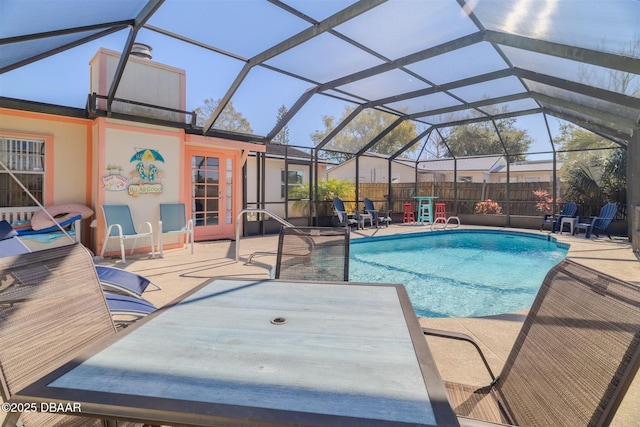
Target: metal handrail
(264,211)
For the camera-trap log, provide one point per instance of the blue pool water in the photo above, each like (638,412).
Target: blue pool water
(459,273)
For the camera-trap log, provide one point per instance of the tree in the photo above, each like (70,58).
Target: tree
(593,180)
(363,129)
(573,140)
(230,119)
(481,139)
(283,136)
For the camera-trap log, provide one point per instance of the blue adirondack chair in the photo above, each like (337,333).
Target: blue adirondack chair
(341,212)
(568,211)
(376,216)
(598,223)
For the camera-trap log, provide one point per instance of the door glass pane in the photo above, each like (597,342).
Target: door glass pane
(212,177)
(212,191)
(212,205)
(212,218)
(205,190)
(198,176)
(229,191)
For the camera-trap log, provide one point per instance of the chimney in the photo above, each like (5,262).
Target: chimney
(141,50)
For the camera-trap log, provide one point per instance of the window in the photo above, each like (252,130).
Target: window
(295,180)
(26,159)
(532,179)
(465,179)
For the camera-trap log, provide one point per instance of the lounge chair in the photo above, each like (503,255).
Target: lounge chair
(122,305)
(598,223)
(52,308)
(9,242)
(375,214)
(118,281)
(173,220)
(120,224)
(572,362)
(343,216)
(568,211)
(313,253)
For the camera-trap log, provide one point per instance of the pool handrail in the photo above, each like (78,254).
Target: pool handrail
(255,210)
(445,222)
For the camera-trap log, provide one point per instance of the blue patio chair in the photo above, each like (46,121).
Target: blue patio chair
(173,220)
(377,218)
(120,224)
(343,216)
(598,223)
(126,310)
(568,211)
(123,282)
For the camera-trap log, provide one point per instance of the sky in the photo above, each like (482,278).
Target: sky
(64,78)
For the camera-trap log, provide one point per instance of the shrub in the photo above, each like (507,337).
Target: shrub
(545,202)
(327,190)
(488,207)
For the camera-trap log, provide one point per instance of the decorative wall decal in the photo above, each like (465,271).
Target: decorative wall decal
(146,172)
(114,181)
(147,155)
(137,189)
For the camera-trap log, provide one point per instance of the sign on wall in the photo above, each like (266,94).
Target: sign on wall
(114,181)
(146,173)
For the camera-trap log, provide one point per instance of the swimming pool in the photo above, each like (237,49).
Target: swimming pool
(459,273)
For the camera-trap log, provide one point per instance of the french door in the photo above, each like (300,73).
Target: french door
(212,192)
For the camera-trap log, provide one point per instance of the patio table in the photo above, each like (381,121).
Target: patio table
(262,352)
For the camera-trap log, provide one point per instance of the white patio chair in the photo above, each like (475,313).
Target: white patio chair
(173,220)
(120,224)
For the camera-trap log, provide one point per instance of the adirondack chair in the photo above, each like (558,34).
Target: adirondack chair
(598,223)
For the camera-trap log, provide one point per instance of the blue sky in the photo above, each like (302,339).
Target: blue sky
(64,78)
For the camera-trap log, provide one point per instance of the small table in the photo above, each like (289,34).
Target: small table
(363,217)
(425,208)
(567,220)
(258,353)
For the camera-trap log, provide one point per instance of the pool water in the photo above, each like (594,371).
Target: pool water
(460,273)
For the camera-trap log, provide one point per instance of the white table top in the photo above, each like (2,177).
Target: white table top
(344,351)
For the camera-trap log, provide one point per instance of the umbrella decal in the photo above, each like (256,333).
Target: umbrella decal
(147,155)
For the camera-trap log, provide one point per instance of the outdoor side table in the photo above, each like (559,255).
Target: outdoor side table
(567,220)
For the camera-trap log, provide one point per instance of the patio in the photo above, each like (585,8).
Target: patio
(180,271)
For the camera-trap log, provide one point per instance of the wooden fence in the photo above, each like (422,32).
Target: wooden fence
(522,200)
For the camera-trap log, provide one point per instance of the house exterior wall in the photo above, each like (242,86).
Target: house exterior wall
(373,170)
(463,176)
(273,179)
(118,143)
(67,151)
(81,152)
(532,176)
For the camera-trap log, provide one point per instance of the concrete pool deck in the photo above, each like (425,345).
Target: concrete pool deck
(180,271)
